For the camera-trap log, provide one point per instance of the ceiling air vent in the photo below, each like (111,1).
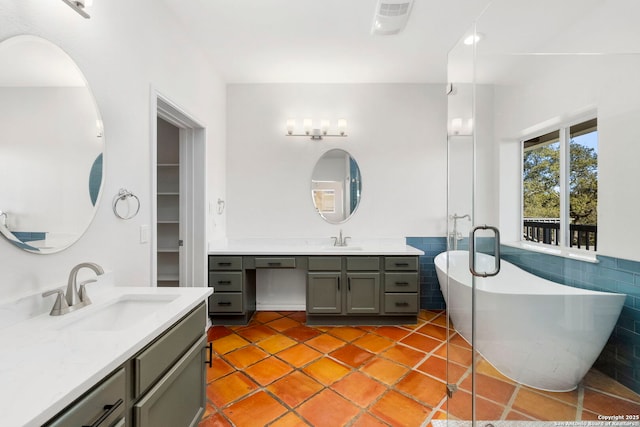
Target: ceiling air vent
(391,16)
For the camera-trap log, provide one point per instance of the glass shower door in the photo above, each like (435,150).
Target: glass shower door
(472,234)
(533,114)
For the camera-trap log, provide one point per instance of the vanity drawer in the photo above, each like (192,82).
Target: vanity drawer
(107,400)
(401,282)
(363,263)
(399,263)
(325,263)
(225,263)
(225,302)
(153,362)
(275,262)
(226,281)
(401,303)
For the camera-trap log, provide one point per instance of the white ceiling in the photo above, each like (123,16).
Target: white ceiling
(324,41)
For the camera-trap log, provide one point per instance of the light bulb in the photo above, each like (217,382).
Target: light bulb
(307,125)
(324,125)
(291,125)
(342,126)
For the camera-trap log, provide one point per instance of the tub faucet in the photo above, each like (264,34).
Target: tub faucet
(72,296)
(454,236)
(340,241)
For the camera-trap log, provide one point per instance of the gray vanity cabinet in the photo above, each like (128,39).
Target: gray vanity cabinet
(324,292)
(363,285)
(163,385)
(169,376)
(401,285)
(105,404)
(233,299)
(178,399)
(340,289)
(354,289)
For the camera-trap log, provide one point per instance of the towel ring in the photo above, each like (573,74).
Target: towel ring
(123,195)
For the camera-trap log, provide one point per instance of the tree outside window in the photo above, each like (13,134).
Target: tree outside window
(547,186)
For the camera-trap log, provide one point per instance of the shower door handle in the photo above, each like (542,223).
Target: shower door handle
(472,251)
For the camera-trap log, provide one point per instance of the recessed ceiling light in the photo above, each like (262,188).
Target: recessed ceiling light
(473,39)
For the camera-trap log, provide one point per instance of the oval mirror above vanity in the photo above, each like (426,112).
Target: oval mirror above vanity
(51,151)
(336,186)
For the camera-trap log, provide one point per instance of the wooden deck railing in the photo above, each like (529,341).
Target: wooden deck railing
(548,231)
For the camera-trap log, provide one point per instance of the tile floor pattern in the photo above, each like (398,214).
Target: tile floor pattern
(277,371)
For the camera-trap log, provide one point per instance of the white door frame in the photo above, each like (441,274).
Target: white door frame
(193,194)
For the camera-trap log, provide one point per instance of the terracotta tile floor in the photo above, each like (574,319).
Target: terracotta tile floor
(277,371)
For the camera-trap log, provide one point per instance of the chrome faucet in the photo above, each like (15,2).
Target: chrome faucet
(73,300)
(454,236)
(72,296)
(340,241)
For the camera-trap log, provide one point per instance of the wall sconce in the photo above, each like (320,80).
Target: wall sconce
(316,133)
(459,126)
(79,6)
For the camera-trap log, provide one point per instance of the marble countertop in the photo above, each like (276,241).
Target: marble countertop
(44,367)
(295,246)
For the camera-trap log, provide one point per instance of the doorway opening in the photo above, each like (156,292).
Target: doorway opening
(178,181)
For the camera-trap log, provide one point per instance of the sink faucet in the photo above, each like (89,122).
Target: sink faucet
(72,296)
(340,241)
(73,300)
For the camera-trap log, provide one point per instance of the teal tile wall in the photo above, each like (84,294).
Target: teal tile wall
(620,358)
(430,294)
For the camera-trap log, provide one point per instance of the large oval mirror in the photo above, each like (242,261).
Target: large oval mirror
(336,186)
(51,149)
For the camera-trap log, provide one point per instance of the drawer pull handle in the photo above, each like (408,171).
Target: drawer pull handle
(349,283)
(209,347)
(275,264)
(224,303)
(224,264)
(108,410)
(338,283)
(402,283)
(402,304)
(224,282)
(402,264)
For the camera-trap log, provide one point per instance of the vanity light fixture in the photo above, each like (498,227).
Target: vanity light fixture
(460,126)
(316,133)
(79,6)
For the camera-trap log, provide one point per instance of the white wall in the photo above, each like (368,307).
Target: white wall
(556,89)
(124,50)
(397,134)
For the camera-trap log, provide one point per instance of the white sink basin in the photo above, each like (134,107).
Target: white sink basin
(119,314)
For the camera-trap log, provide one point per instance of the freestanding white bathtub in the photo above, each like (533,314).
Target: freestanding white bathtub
(534,331)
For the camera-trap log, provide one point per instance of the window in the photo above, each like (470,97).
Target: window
(560,187)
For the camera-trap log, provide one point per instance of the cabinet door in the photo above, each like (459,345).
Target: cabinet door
(323,293)
(103,406)
(363,293)
(178,399)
